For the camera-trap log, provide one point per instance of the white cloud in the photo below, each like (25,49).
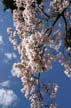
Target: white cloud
(15,71)
(7,98)
(5,83)
(1,44)
(10,56)
(1,40)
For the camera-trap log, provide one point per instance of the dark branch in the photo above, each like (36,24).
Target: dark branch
(65,25)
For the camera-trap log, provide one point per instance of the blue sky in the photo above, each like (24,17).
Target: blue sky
(10,94)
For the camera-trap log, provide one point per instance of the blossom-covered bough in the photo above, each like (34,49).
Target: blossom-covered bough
(44,30)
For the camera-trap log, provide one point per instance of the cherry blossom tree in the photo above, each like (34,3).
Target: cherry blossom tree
(44,30)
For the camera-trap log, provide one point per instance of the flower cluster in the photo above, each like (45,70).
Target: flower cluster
(59,5)
(35,51)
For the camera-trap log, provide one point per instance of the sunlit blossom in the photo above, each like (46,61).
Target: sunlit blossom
(37,48)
